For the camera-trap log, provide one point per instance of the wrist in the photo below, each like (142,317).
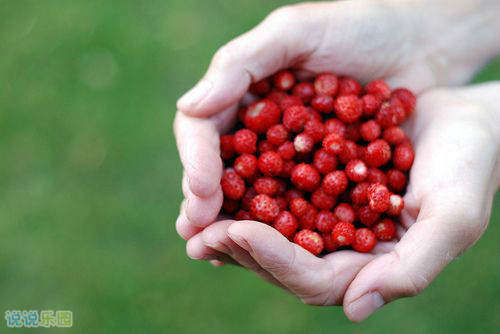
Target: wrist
(457,37)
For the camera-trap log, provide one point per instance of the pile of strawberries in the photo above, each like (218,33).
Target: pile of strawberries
(324,161)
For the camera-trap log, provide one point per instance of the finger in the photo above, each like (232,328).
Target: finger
(198,143)
(215,236)
(203,211)
(282,39)
(424,250)
(183,226)
(216,263)
(196,250)
(315,280)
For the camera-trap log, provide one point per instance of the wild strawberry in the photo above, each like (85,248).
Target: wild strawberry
(243,215)
(360,152)
(349,86)
(293,193)
(345,213)
(391,113)
(323,103)
(266,185)
(285,174)
(290,101)
(396,205)
(322,200)
(356,170)
(264,146)
(378,197)
(333,143)
(277,134)
(287,168)
(333,125)
(282,188)
(343,233)
(245,141)
(230,205)
(325,221)
(310,241)
(245,165)
(375,175)
(305,177)
(407,98)
(385,230)
(299,206)
(294,118)
(348,108)
(394,135)
(314,116)
(304,90)
(249,194)
(324,162)
(264,208)
(282,203)
(352,132)
(371,104)
(232,184)
(378,88)
(378,153)
(367,216)
(303,143)
(396,180)
(286,224)
(403,157)
(286,150)
(270,163)
(335,183)
(330,244)
(326,84)
(226,147)
(308,219)
(276,96)
(364,240)
(359,194)
(261,115)
(284,80)
(315,129)
(349,152)
(370,130)
(261,87)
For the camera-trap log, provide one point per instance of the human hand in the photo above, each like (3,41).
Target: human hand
(456,135)
(404,42)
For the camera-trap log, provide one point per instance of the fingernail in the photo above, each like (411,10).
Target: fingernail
(195,95)
(364,306)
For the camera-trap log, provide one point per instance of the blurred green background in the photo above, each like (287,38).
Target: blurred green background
(90,183)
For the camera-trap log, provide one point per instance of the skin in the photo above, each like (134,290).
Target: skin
(456,134)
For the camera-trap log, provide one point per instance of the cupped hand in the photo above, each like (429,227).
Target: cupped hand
(403,42)
(456,134)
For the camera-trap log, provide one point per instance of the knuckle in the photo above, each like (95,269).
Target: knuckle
(285,13)
(315,300)
(412,284)
(224,55)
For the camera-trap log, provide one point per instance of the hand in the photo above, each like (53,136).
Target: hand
(456,173)
(403,42)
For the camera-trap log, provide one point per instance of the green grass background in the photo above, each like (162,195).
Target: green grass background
(90,183)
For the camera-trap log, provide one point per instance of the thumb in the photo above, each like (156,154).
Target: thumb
(281,39)
(316,281)
(423,252)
